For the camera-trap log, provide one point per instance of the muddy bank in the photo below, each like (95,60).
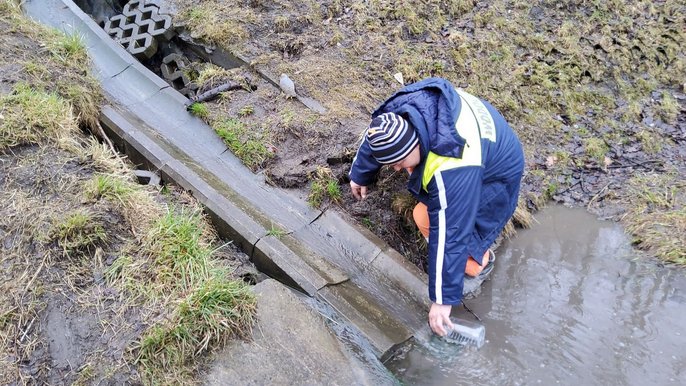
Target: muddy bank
(65,318)
(100,273)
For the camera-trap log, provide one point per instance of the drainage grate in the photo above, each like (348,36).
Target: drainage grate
(173,70)
(146,31)
(138,27)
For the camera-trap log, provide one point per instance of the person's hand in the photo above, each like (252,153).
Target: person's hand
(359,191)
(439,317)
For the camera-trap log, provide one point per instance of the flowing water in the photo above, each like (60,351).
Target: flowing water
(568,303)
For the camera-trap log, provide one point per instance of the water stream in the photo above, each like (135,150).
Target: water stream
(569,303)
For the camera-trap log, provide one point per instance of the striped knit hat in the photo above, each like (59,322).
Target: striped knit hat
(391,138)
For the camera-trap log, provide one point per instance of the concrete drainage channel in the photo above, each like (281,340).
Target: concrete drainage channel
(367,284)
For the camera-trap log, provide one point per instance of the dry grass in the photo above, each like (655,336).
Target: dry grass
(657,219)
(216,21)
(403,204)
(72,220)
(323,188)
(32,116)
(56,71)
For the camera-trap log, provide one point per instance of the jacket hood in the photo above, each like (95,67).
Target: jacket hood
(431,106)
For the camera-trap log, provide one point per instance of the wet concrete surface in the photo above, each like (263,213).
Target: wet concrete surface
(569,302)
(294,342)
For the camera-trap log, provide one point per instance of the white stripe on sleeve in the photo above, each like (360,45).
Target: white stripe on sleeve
(440,249)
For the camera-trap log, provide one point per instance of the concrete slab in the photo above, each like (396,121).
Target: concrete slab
(51,12)
(166,108)
(138,87)
(292,345)
(107,61)
(139,147)
(341,242)
(240,227)
(391,266)
(366,312)
(276,260)
(310,271)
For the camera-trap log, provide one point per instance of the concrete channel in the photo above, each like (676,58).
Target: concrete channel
(324,255)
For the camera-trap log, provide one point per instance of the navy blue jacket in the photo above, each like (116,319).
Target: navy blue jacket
(471,165)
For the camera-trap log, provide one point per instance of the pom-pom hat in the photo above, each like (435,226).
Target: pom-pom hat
(390,138)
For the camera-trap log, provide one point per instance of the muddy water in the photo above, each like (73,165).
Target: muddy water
(568,303)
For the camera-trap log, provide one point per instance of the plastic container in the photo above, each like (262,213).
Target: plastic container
(466,333)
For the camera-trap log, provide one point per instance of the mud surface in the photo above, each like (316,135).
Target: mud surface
(569,302)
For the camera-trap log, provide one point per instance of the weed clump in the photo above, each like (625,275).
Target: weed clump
(657,220)
(323,186)
(213,312)
(178,263)
(32,116)
(403,204)
(199,109)
(217,22)
(176,245)
(78,232)
(245,143)
(110,187)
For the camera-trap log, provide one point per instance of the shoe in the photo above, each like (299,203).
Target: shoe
(489,267)
(472,284)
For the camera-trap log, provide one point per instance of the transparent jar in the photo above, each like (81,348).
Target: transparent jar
(466,333)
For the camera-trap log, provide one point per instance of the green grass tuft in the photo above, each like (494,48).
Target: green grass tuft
(176,244)
(276,231)
(657,219)
(78,232)
(246,144)
(246,111)
(669,108)
(34,116)
(596,148)
(69,48)
(215,311)
(111,188)
(200,110)
(174,261)
(323,186)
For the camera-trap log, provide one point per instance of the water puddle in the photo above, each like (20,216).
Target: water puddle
(568,303)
